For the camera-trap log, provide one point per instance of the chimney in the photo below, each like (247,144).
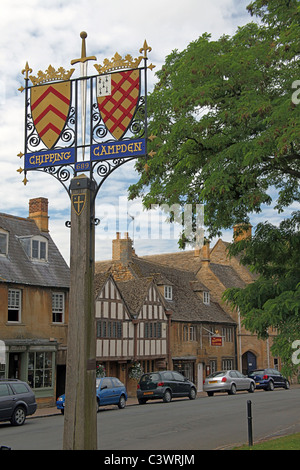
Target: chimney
(38,211)
(122,248)
(206,253)
(242,231)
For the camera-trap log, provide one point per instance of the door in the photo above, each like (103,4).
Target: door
(242,381)
(182,386)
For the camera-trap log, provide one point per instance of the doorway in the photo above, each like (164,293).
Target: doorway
(14,365)
(248,362)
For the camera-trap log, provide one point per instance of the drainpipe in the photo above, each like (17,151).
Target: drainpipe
(169,356)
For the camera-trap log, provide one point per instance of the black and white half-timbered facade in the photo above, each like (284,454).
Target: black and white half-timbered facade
(131,326)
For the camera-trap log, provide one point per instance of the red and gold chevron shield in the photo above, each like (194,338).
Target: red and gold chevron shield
(118,95)
(50,106)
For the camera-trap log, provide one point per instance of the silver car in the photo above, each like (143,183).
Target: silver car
(229,381)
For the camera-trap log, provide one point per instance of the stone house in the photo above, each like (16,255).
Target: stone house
(218,272)
(34,291)
(200,335)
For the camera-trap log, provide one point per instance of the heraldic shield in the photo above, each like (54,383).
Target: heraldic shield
(50,105)
(117,96)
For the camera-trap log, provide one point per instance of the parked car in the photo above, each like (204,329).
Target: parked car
(268,379)
(109,391)
(229,381)
(17,401)
(165,385)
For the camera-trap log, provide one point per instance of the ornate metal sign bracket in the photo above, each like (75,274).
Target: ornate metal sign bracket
(103,116)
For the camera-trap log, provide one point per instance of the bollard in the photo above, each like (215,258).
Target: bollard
(249,416)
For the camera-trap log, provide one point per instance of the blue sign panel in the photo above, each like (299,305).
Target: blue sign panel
(82,166)
(49,158)
(118,149)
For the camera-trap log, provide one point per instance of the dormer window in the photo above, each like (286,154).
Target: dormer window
(168,293)
(3,243)
(36,248)
(206,298)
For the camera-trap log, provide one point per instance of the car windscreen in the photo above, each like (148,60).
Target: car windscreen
(217,374)
(256,372)
(150,378)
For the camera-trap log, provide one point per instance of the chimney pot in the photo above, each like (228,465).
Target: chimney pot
(38,211)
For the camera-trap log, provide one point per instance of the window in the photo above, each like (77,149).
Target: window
(109,329)
(227,364)
(40,369)
(36,248)
(212,366)
(3,243)
(5,390)
(106,383)
(178,377)
(14,305)
(152,330)
(168,293)
(189,333)
(206,298)
(227,334)
(58,307)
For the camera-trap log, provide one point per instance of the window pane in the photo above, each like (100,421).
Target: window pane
(42,250)
(3,243)
(35,249)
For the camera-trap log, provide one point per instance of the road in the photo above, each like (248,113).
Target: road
(217,422)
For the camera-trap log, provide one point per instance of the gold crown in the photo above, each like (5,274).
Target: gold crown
(118,63)
(51,75)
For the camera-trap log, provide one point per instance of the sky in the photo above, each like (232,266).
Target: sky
(48,32)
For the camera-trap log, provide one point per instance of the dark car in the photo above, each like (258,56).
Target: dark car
(268,379)
(165,385)
(109,391)
(17,401)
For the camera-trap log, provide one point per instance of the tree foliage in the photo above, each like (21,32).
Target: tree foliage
(226,126)
(227,129)
(272,302)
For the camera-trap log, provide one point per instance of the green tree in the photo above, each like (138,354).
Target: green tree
(225,114)
(226,126)
(272,301)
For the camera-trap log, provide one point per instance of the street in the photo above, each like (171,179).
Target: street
(218,422)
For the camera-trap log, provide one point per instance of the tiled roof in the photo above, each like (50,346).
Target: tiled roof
(17,268)
(187,303)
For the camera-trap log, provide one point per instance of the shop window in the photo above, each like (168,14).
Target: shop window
(40,369)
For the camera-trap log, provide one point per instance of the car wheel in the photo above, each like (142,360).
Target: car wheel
(287,385)
(232,390)
(18,416)
(167,396)
(192,394)
(142,401)
(210,394)
(251,388)
(122,402)
(270,386)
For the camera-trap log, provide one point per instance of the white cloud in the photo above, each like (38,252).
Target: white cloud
(47,32)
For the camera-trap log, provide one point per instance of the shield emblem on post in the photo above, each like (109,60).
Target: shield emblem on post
(50,105)
(78,202)
(117,96)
